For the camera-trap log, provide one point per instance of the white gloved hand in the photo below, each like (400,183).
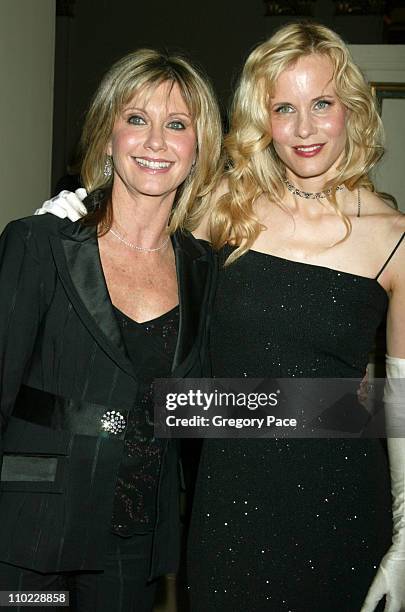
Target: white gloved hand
(390,578)
(65,204)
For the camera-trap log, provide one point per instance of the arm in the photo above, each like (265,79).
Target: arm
(390,578)
(21,289)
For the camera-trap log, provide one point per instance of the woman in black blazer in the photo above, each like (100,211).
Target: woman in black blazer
(91,313)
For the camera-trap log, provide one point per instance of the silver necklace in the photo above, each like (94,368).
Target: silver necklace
(138,248)
(310,195)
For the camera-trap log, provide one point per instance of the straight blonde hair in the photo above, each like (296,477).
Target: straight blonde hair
(140,71)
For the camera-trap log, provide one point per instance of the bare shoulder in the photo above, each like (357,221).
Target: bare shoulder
(262,206)
(385,220)
(202,230)
(375,203)
(386,227)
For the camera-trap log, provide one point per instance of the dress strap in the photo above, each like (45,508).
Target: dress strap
(358,202)
(391,255)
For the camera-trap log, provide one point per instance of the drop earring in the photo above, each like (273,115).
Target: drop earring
(108,167)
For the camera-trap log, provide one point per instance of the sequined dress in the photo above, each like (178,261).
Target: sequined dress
(290,525)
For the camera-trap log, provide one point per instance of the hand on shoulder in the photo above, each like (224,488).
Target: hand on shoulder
(66,204)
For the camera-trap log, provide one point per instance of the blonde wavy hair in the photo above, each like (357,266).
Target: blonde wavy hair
(142,71)
(254,167)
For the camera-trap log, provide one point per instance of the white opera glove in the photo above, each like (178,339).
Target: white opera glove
(66,204)
(390,578)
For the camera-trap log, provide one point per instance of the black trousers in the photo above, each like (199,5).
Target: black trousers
(123,586)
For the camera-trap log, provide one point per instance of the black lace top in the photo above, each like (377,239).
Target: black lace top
(150,346)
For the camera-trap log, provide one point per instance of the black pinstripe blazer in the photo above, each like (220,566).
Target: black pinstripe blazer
(62,366)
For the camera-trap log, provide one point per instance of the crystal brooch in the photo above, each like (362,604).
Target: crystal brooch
(113,422)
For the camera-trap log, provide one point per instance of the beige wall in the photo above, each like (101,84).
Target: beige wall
(27,31)
(386,64)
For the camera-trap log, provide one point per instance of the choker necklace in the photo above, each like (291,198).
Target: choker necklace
(138,248)
(310,195)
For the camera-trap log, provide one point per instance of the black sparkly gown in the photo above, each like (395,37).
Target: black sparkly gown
(290,525)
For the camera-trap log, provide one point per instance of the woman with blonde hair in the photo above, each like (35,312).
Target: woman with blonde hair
(313,257)
(92,312)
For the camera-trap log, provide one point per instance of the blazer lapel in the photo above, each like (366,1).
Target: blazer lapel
(193,276)
(77,258)
(78,261)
